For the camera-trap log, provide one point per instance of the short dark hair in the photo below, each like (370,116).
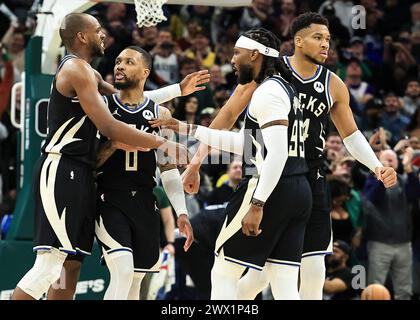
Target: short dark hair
(71,25)
(333,134)
(147,58)
(305,20)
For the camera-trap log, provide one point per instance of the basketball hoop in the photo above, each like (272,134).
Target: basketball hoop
(149,12)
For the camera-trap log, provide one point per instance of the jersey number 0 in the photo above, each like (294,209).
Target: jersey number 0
(131,158)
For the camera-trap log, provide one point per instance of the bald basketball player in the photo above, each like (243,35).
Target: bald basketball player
(64,188)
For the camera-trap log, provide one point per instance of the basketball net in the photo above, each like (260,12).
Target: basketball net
(149,12)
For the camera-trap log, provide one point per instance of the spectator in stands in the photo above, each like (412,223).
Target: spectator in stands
(414,25)
(345,168)
(165,59)
(342,225)
(343,11)
(14,41)
(399,63)
(361,90)
(339,32)
(6,78)
(334,149)
(283,20)
(228,184)
(392,119)
(338,283)
(389,225)
(217,78)
(414,126)
(256,15)
(187,110)
(201,50)
(221,95)
(411,99)
(145,37)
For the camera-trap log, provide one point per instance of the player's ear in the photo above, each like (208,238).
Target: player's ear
(146,72)
(254,55)
(81,36)
(298,41)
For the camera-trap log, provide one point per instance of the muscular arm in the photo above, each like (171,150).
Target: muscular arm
(106,150)
(334,286)
(226,117)
(78,76)
(343,120)
(341,114)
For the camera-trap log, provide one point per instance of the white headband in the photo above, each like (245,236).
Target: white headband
(247,43)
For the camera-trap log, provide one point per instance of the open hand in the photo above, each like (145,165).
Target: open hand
(194,82)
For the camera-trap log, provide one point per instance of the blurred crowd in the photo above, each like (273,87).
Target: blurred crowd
(377,60)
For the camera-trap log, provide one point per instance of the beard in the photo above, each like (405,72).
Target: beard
(127,84)
(96,50)
(333,263)
(245,75)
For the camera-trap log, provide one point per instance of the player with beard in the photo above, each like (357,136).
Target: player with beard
(274,171)
(64,183)
(320,92)
(128,222)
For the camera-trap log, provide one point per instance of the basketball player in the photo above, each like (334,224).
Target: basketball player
(128,222)
(274,170)
(320,92)
(76,112)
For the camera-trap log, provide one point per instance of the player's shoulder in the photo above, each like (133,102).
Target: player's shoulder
(336,83)
(77,68)
(275,87)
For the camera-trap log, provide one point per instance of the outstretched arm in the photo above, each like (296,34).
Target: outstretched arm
(353,139)
(226,118)
(190,84)
(78,77)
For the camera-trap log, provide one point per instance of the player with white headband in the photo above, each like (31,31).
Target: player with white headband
(274,170)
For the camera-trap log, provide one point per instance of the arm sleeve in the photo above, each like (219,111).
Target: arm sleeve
(164,94)
(172,183)
(276,144)
(360,149)
(228,141)
(271,103)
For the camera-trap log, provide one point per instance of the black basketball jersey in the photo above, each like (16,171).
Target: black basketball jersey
(70,132)
(316,102)
(254,149)
(124,170)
